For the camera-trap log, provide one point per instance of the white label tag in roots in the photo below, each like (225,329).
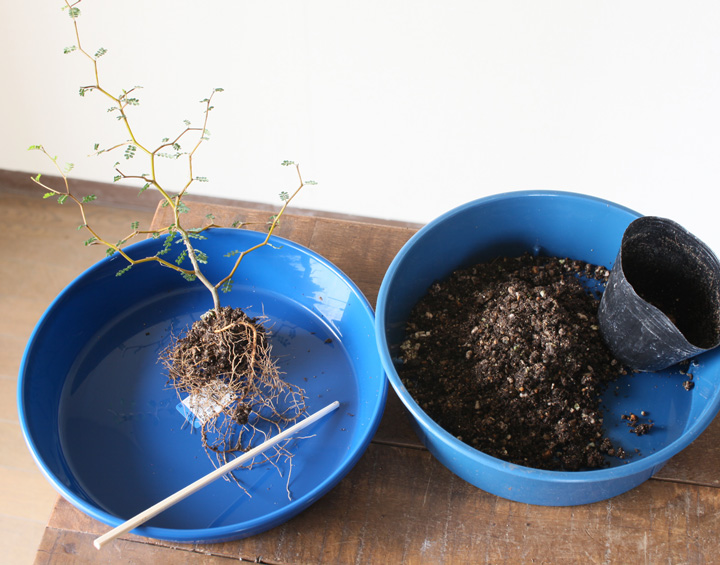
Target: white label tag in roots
(200,407)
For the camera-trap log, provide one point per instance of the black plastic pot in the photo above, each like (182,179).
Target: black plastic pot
(662,302)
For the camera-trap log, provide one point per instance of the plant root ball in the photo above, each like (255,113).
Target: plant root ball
(226,356)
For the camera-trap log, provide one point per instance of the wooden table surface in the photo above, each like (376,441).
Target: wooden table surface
(399,505)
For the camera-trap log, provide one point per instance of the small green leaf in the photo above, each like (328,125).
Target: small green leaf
(48,194)
(100,52)
(310,182)
(74,12)
(287,163)
(201,257)
(201,179)
(109,252)
(135,225)
(35,148)
(69,49)
(180,258)
(145,187)
(117,178)
(210,217)
(284,196)
(62,198)
(123,271)
(169,239)
(90,241)
(190,277)
(88,198)
(232,253)
(227,286)
(219,90)
(237,224)
(182,208)
(130,151)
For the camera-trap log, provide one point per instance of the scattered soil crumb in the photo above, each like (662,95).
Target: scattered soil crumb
(636,426)
(507,356)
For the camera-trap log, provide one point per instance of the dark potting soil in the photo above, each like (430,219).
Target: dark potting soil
(507,356)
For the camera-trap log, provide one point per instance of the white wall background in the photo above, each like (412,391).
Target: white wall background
(399,109)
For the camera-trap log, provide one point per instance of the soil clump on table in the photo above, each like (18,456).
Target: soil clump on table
(507,356)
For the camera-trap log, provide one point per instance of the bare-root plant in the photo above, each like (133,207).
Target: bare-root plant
(224,362)
(250,402)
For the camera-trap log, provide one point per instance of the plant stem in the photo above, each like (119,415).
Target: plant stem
(198,272)
(273,225)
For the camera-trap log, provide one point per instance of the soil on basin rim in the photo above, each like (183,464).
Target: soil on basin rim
(507,356)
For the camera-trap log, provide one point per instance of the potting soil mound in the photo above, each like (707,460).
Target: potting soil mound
(507,356)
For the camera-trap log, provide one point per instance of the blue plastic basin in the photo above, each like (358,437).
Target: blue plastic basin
(556,224)
(101,420)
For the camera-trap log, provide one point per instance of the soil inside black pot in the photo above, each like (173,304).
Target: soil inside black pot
(507,356)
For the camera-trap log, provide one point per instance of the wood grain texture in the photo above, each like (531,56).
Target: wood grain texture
(73,548)
(399,505)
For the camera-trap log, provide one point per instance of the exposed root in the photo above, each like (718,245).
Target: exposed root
(225,360)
